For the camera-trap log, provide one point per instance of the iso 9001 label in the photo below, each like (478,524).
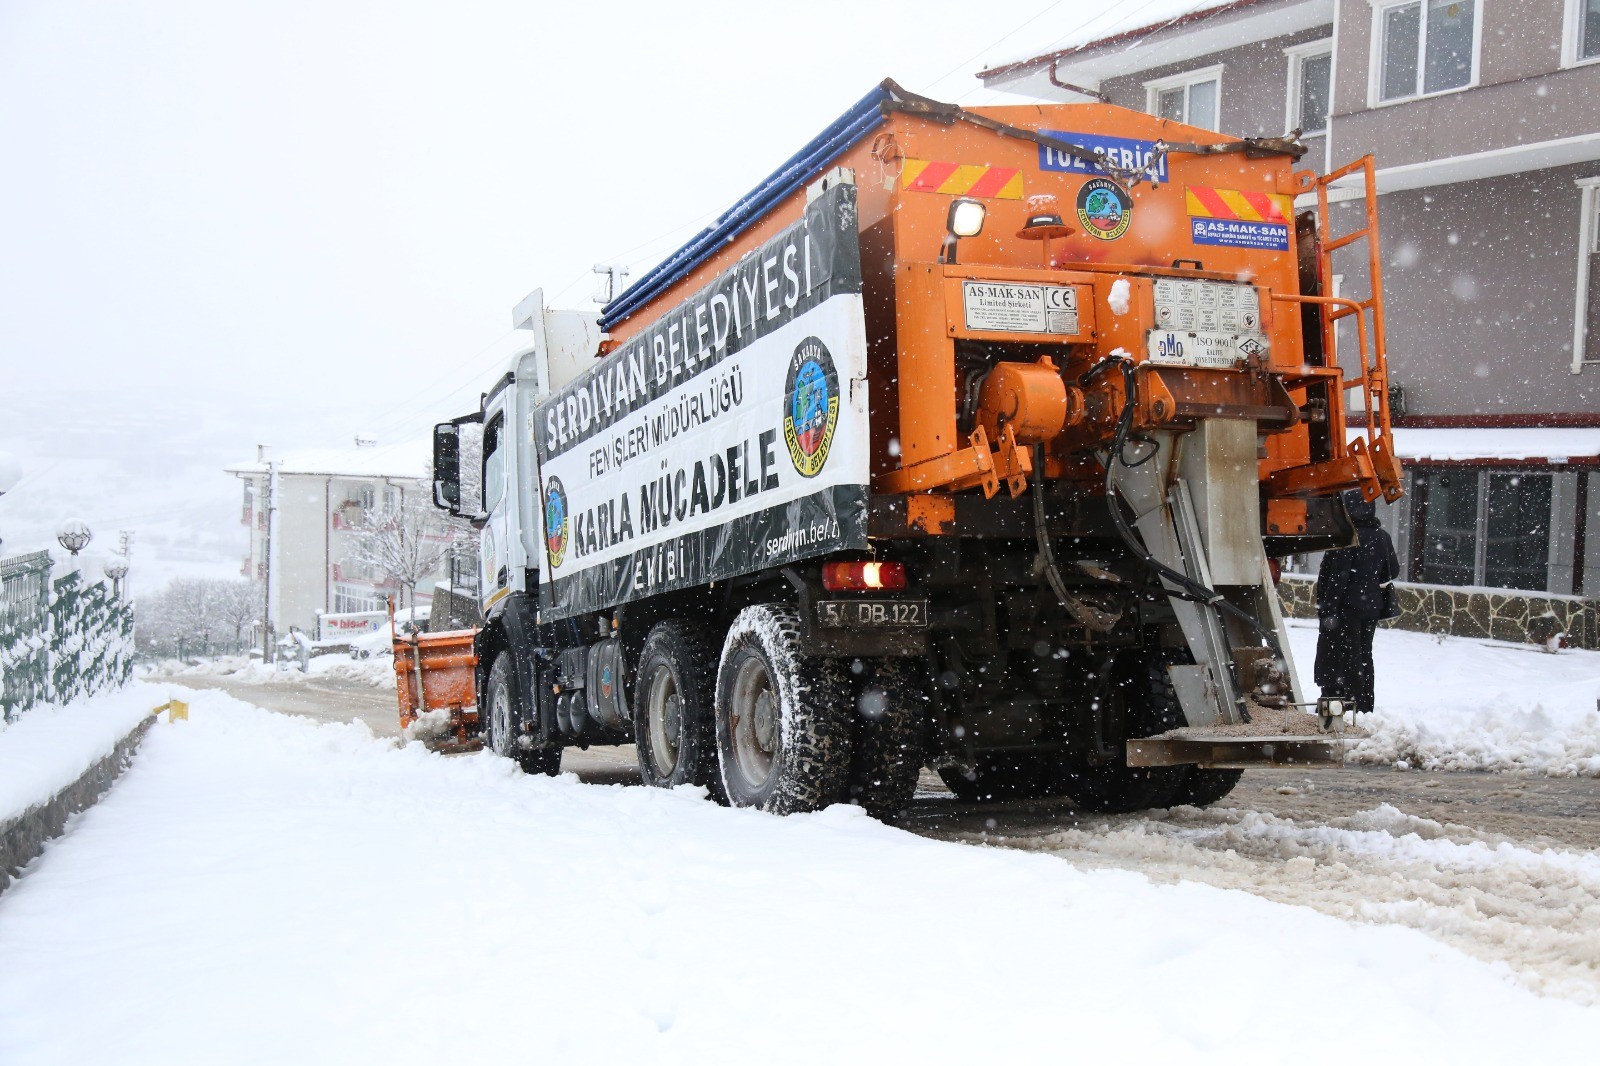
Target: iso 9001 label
(851,614)
(1204,348)
(1007,307)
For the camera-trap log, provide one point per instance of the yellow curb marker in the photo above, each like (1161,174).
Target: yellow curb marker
(177,710)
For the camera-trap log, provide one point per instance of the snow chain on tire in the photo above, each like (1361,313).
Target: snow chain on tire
(1114,787)
(808,764)
(682,648)
(506,713)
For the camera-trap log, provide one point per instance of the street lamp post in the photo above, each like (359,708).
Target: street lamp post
(74,535)
(116,570)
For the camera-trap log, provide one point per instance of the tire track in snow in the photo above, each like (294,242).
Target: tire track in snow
(1535,912)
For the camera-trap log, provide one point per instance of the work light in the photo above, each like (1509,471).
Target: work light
(966,217)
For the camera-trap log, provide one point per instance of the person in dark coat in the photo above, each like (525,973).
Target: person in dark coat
(1354,591)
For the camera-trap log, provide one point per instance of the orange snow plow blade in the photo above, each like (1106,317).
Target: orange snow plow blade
(436,672)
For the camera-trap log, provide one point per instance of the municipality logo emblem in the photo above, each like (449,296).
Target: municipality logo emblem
(555,522)
(1104,210)
(811,406)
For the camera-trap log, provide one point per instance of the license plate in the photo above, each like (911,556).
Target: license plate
(869,613)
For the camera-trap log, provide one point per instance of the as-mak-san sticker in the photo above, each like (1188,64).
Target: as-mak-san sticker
(811,399)
(1104,209)
(1232,218)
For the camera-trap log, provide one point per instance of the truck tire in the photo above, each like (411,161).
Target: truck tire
(783,718)
(1202,788)
(887,750)
(1115,787)
(503,732)
(675,737)
(1000,776)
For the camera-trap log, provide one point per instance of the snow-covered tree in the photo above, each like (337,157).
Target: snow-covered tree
(239,606)
(406,543)
(195,614)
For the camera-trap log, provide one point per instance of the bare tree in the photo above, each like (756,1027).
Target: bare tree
(406,543)
(239,606)
(194,614)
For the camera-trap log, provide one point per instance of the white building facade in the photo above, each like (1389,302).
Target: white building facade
(304,512)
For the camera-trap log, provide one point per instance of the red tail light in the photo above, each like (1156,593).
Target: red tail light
(863,577)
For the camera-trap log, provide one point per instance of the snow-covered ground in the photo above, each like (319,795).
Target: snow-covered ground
(48,748)
(1454,703)
(259,888)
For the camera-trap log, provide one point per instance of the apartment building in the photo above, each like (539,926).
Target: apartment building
(319,582)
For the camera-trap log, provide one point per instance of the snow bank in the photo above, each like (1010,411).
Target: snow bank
(262,889)
(377,671)
(49,747)
(1455,703)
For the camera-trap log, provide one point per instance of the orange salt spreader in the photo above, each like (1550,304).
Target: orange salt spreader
(434,680)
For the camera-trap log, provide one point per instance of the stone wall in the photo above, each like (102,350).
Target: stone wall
(22,838)
(1519,617)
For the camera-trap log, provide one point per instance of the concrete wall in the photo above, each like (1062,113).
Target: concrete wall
(1479,281)
(300,578)
(1523,96)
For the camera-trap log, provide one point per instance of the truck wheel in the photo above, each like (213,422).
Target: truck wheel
(503,727)
(674,735)
(886,751)
(1202,788)
(783,718)
(998,777)
(1115,787)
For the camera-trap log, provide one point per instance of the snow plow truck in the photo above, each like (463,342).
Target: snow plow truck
(964,441)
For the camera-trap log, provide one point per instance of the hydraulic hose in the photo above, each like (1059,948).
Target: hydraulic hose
(1209,597)
(1052,572)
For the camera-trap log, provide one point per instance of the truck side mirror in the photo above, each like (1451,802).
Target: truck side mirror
(447,467)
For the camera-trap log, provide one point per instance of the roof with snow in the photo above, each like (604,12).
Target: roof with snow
(408,459)
(1469,444)
(1153,34)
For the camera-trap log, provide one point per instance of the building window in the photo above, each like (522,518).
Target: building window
(1586,319)
(1488,528)
(1310,86)
(1448,538)
(391,498)
(1516,554)
(354,599)
(1582,32)
(1194,98)
(369,497)
(1425,46)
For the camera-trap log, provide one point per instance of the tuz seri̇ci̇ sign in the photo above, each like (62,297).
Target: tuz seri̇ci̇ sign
(728,437)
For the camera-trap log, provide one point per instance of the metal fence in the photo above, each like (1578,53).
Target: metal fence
(59,639)
(24,632)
